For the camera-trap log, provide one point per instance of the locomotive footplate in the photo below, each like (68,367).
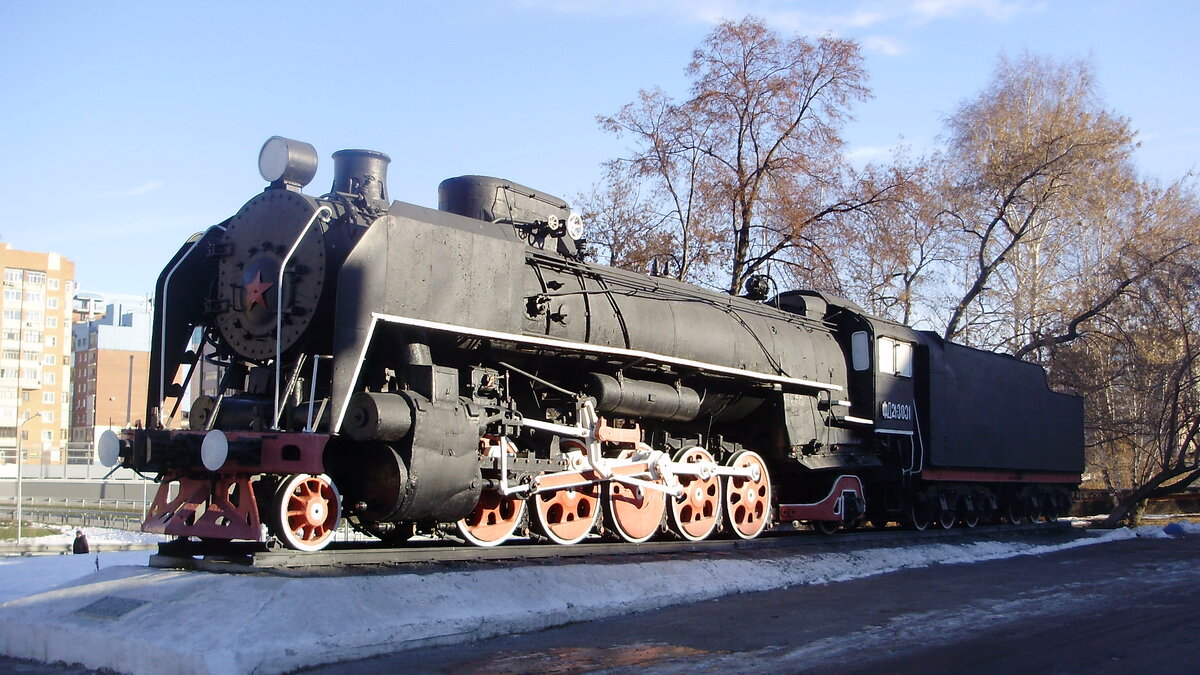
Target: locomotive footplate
(160,450)
(213,473)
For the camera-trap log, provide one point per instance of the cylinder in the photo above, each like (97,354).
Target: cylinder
(640,398)
(361,172)
(375,416)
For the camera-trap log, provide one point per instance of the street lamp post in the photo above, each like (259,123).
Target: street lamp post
(28,417)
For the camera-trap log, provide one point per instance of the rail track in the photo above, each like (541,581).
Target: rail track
(361,557)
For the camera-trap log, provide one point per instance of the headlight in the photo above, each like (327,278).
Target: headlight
(282,159)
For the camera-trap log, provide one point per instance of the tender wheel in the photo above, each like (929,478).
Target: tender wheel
(947,517)
(1052,513)
(1034,511)
(696,515)
(916,516)
(970,517)
(1013,512)
(748,500)
(826,526)
(305,512)
(566,516)
(493,520)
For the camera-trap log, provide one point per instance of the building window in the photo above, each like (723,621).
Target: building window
(48,416)
(47,397)
(12,294)
(12,354)
(47,435)
(52,303)
(51,341)
(13,314)
(12,334)
(52,284)
(32,277)
(34,296)
(52,321)
(12,277)
(49,360)
(51,378)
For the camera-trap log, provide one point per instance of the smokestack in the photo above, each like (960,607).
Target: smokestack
(361,172)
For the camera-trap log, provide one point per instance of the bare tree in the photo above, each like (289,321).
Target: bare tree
(668,163)
(887,257)
(1125,235)
(623,229)
(1141,376)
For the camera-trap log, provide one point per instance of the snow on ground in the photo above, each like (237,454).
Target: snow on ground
(191,622)
(95,535)
(26,575)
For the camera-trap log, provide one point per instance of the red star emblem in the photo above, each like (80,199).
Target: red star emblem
(256,291)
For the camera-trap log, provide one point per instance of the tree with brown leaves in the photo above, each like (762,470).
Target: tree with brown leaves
(1026,160)
(753,158)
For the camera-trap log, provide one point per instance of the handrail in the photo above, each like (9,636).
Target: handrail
(324,209)
(164,302)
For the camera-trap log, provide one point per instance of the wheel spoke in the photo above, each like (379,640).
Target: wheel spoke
(306,511)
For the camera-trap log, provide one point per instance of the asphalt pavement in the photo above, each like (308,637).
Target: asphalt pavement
(1119,607)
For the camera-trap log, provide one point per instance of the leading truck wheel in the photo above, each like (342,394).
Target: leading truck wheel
(748,500)
(305,512)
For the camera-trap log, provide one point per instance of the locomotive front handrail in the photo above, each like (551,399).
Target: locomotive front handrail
(164,303)
(324,209)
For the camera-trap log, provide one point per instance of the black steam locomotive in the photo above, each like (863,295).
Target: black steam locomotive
(464,371)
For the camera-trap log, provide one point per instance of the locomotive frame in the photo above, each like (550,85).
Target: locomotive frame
(464,370)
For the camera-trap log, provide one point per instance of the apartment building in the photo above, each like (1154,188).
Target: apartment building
(111,361)
(35,355)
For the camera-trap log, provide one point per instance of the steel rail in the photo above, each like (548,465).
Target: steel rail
(253,557)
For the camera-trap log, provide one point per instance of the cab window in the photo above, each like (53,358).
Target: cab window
(894,357)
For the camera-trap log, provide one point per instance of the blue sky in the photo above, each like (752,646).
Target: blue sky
(127,126)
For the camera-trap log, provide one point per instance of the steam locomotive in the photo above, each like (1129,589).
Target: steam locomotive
(465,371)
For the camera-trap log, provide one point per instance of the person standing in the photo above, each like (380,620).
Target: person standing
(81,544)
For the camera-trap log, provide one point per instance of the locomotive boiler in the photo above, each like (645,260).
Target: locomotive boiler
(465,371)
